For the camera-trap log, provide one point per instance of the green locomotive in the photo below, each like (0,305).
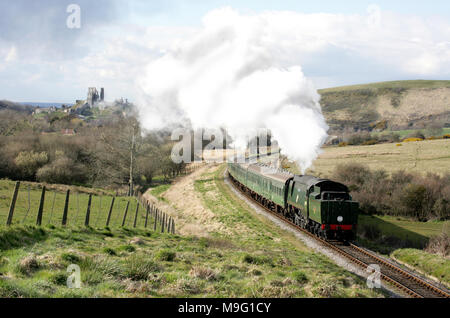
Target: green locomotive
(321,206)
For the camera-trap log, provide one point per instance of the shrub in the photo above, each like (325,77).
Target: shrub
(203,273)
(412,200)
(59,278)
(416,134)
(412,195)
(138,267)
(300,277)
(128,248)
(28,264)
(342,144)
(398,145)
(109,251)
(29,162)
(258,260)
(370,142)
(412,139)
(62,170)
(446,136)
(439,244)
(71,258)
(165,255)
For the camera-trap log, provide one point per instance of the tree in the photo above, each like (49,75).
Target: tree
(29,162)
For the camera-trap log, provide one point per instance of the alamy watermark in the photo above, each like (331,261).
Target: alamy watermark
(374,279)
(74,19)
(74,279)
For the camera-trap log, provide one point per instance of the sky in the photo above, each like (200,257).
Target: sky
(334,42)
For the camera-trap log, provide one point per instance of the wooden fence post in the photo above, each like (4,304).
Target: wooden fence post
(156,219)
(136,214)
(88,211)
(146,215)
(12,206)
(66,208)
(173,226)
(125,214)
(110,211)
(162,222)
(41,207)
(169,224)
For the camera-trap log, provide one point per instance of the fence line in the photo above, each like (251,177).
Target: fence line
(57,209)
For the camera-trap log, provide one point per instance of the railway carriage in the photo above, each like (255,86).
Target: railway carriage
(321,206)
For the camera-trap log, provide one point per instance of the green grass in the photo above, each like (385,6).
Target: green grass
(397,232)
(159,190)
(272,257)
(254,258)
(391,84)
(26,211)
(431,264)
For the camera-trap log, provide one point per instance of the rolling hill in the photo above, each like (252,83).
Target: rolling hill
(396,105)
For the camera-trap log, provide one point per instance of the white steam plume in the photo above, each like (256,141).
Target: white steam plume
(232,75)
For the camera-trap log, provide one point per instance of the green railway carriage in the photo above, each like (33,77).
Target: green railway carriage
(321,206)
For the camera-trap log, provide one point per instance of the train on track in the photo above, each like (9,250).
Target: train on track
(321,206)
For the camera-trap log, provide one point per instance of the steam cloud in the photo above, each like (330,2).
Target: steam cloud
(234,74)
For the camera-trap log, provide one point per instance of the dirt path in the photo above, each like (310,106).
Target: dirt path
(186,207)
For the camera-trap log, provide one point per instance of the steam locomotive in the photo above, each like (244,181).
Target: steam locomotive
(321,206)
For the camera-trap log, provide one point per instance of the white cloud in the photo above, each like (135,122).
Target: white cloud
(334,48)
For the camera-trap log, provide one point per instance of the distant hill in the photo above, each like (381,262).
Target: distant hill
(5,104)
(394,105)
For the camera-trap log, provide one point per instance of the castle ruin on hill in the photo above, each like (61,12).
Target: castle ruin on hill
(93,97)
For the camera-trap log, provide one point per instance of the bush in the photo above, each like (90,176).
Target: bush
(412,139)
(109,251)
(342,144)
(128,248)
(258,260)
(29,162)
(370,142)
(138,267)
(300,277)
(59,279)
(412,195)
(439,245)
(71,258)
(165,255)
(62,170)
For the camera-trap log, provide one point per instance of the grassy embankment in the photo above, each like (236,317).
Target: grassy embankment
(257,260)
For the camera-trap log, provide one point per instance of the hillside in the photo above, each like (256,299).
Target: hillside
(6,104)
(393,105)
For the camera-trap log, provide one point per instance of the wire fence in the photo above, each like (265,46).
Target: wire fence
(39,206)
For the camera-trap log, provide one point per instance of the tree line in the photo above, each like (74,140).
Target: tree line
(111,151)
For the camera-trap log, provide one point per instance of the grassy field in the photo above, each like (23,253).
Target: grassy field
(28,201)
(256,260)
(421,157)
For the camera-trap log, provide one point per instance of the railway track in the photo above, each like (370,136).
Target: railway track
(409,283)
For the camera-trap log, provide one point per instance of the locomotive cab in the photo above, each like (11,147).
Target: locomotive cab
(323,207)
